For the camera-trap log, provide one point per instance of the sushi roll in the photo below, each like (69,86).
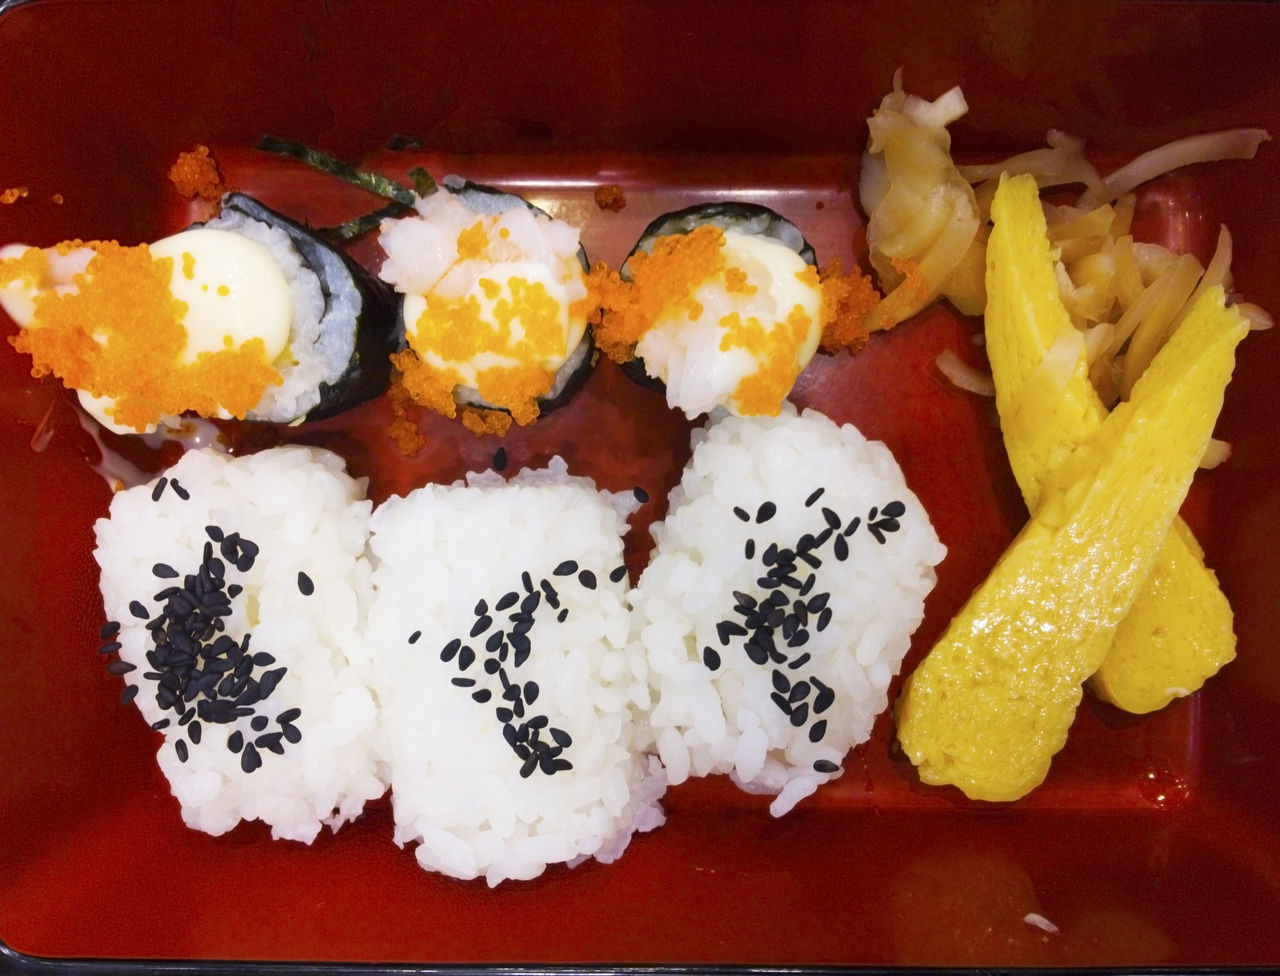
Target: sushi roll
(720,305)
(511,704)
(235,589)
(494,304)
(784,586)
(248,316)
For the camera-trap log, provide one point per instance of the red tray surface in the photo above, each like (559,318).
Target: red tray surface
(1155,839)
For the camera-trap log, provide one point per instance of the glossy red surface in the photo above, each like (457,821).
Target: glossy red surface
(1155,840)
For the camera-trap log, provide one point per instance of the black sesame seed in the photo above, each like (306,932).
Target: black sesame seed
(757,654)
(138,610)
(249,759)
(258,723)
(781,702)
(710,658)
(817,730)
(234,590)
(179,490)
(129,694)
(527,581)
(466,657)
(529,766)
(587,579)
(749,549)
(766,511)
(566,568)
(780,683)
(799,691)
(291,733)
(494,641)
(563,615)
(481,608)
(531,691)
(491,665)
(817,493)
(267,683)
(158,490)
(109,629)
(289,715)
(832,518)
(162,724)
(214,532)
(235,741)
(481,625)
(852,527)
(841,548)
(825,766)
(799,662)
(180,749)
(508,601)
(482,695)
(504,715)
(825,699)
(618,575)
(120,667)
(800,715)
(642,496)
(413,638)
(463,682)
(110,648)
(824,618)
(194,729)
(742,513)
(500,459)
(271,742)
(561,738)
(305,586)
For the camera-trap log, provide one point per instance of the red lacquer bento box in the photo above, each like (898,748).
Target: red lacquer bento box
(1155,841)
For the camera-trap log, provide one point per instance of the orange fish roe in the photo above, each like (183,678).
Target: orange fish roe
(847,301)
(119,334)
(661,280)
(460,331)
(515,389)
(609,196)
(762,392)
(481,421)
(13,194)
(402,428)
(473,242)
(426,385)
(195,174)
(735,282)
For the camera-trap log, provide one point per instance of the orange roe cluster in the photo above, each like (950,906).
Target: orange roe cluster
(847,303)
(13,194)
(119,334)
(195,174)
(609,196)
(402,428)
(762,392)
(661,280)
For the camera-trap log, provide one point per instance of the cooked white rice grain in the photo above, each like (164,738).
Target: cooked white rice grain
(785,584)
(297,525)
(498,651)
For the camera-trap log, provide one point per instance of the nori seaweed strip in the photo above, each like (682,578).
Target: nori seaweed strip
(373,182)
(359,226)
(377,323)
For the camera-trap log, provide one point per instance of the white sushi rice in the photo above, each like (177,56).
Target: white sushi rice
(444,558)
(305,515)
(723,712)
